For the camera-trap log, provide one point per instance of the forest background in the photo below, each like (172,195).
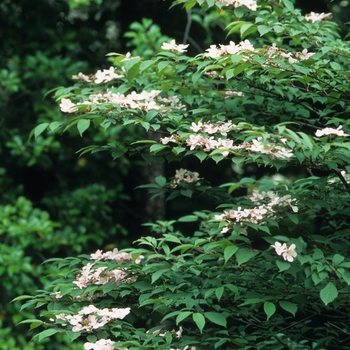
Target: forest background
(54,203)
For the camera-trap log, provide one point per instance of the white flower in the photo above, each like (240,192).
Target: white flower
(313,17)
(81,76)
(67,106)
(174,47)
(102,344)
(250,4)
(331,131)
(279,247)
(287,253)
(290,253)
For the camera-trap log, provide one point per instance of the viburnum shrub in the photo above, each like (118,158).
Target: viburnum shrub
(269,268)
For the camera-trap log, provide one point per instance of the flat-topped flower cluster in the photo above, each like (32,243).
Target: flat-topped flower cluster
(267,204)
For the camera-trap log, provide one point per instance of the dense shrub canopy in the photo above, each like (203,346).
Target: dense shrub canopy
(262,262)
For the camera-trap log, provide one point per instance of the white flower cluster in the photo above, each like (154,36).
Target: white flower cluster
(250,4)
(270,149)
(209,128)
(184,175)
(287,253)
(208,144)
(102,344)
(255,215)
(90,317)
(267,202)
(172,46)
(91,275)
(101,76)
(272,199)
(293,57)
(67,106)
(144,101)
(231,49)
(331,131)
(313,17)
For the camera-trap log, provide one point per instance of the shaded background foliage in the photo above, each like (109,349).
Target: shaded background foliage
(53,203)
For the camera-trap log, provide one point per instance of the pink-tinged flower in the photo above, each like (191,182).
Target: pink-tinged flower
(250,4)
(102,344)
(287,253)
(313,17)
(304,55)
(67,106)
(174,47)
(106,75)
(81,76)
(279,248)
(331,131)
(290,253)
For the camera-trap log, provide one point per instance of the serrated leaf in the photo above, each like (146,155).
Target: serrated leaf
(269,309)
(337,259)
(40,129)
(346,277)
(289,307)
(229,251)
(199,320)
(262,29)
(216,318)
(288,4)
(186,193)
(83,124)
(219,292)
(46,333)
(283,265)
(251,301)
(328,293)
(55,125)
(243,255)
(182,315)
(35,325)
(158,274)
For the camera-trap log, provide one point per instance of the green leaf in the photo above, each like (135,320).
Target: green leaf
(186,193)
(196,76)
(229,251)
(46,333)
(246,29)
(283,265)
(262,29)
(201,156)
(188,218)
(151,114)
(216,318)
(251,301)
(162,65)
(346,277)
(289,307)
(117,154)
(219,292)
(158,274)
(55,125)
(160,180)
(182,315)
(337,259)
(288,4)
(328,293)
(199,320)
(269,309)
(39,129)
(243,255)
(82,125)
